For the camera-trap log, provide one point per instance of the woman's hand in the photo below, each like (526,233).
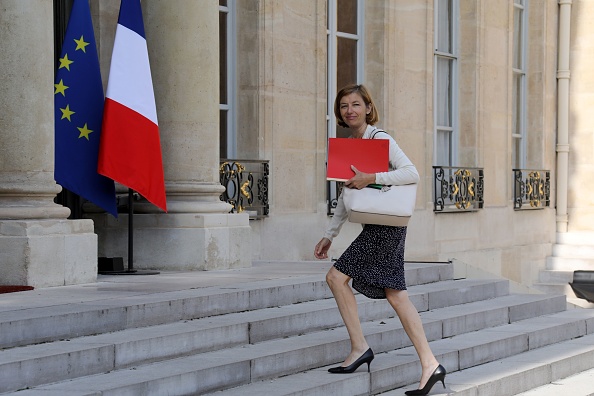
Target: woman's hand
(360,180)
(321,250)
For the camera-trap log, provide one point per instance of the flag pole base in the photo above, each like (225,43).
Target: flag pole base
(115,265)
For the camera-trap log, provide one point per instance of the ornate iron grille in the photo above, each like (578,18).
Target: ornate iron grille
(246,186)
(532,189)
(333,192)
(457,189)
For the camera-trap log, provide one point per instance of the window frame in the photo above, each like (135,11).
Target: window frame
(453,56)
(230,11)
(332,35)
(521,113)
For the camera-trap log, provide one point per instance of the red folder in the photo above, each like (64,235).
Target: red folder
(367,155)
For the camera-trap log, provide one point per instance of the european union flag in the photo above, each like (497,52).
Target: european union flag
(78,107)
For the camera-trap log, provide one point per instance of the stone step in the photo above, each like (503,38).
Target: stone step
(45,323)
(572,300)
(557,282)
(570,263)
(555,276)
(22,325)
(284,357)
(479,315)
(526,373)
(580,384)
(468,352)
(577,251)
(118,350)
(579,303)
(555,288)
(575,238)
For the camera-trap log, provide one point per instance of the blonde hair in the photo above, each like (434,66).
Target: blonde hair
(372,118)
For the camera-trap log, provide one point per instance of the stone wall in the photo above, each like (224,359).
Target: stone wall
(581,119)
(399,72)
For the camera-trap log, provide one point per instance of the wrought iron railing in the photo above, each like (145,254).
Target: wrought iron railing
(532,189)
(333,189)
(246,186)
(457,189)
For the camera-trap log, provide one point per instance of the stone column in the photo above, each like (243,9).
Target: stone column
(563,75)
(38,245)
(197,232)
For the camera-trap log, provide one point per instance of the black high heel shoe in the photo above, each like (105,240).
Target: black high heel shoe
(367,357)
(438,375)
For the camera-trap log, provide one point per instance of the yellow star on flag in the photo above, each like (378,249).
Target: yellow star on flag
(65,62)
(66,113)
(81,44)
(84,131)
(61,88)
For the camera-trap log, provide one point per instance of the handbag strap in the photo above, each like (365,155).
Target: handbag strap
(373,136)
(376,132)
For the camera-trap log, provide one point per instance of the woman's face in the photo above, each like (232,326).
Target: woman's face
(354,110)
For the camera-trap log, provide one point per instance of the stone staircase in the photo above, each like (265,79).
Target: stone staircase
(572,251)
(279,336)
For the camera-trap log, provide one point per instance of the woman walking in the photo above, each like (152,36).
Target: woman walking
(375,259)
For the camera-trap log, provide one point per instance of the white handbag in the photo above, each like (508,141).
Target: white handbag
(390,205)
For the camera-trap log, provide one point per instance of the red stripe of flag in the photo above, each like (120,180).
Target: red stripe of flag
(130,152)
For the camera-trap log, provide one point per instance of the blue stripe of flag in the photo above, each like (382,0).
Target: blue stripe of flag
(131,16)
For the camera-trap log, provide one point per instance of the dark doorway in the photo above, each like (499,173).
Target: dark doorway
(62,10)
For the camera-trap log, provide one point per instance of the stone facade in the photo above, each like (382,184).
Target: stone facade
(38,246)
(281,101)
(581,141)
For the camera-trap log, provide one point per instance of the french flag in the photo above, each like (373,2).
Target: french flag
(130,148)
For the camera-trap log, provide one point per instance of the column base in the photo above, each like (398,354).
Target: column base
(178,242)
(45,253)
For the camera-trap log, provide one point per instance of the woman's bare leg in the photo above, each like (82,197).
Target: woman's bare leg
(411,321)
(347,305)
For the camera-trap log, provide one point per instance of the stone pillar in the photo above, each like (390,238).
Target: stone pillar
(197,232)
(563,75)
(38,246)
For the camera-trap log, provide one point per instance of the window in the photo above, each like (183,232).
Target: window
(345,63)
(519,85)
(446,82)
(345,52)
(227,57)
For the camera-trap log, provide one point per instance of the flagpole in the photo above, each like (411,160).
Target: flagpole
(131,270)
(130,117)
(111,261)
(130,230)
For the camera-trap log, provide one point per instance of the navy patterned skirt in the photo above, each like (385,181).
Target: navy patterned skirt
(375,260)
